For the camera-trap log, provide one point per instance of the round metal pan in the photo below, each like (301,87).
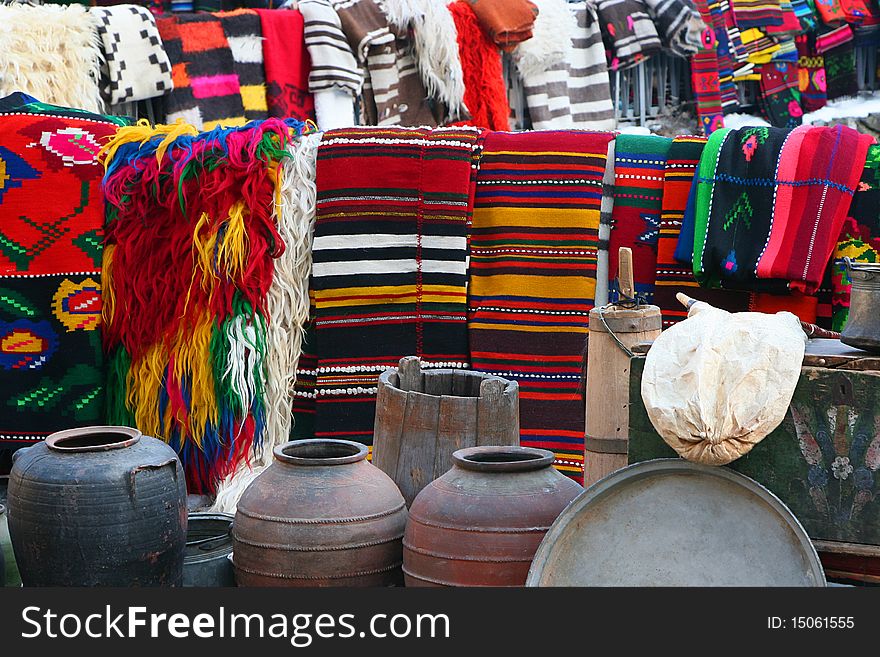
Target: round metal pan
(669,522)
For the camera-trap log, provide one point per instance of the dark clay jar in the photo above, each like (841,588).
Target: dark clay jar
(98,506)
(320,515)
(480,524)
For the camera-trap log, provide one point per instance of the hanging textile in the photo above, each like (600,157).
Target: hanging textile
(335,79)
(389,269)
(679,25)
(135,64)
(51,53)
(51,360)
(206,91)
(836,47)
(242,30)
(757,13)
(485,95)
(287,65)
(507,22)
(812,203)
(734,207)
(830,11)
(705,79)
(811,74)
(533,276)
(639,163)
(431,29)
(860,238)
(566,86)
(393,92)
(632,36)
(780,97)
(193,236)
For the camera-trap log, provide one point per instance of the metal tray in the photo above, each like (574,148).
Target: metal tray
(669,522)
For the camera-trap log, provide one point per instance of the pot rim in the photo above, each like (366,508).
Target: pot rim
(503,458)
(862,266)
(358,452)
(128,437)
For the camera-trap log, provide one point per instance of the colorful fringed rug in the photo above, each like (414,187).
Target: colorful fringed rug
(51,363)
(533,276)
(389,274)
(639,163)
(194,247)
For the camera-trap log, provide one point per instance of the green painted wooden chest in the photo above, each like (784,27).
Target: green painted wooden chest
(822,461)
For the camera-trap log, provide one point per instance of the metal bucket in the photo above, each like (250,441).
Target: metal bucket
(669,522)
(208,546)
(863,325)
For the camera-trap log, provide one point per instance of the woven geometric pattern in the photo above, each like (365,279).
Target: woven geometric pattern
(136,66)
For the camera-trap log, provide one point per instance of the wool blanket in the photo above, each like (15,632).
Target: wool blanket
(533,276)
(389,274)
(860,238)
(135,66)
(192,239)
(757,13)
(393,91)
(639,164)
(705,84)
(335,79)
(206,90)
(780,96)
(631,34)
(734,207)
(245,37)
(818,173)
(287,65)
(485,95)
(570,89)
(51,360)
(52,53)
(507,22)
(836,46)
(679,25)
(432,31)
(811,74)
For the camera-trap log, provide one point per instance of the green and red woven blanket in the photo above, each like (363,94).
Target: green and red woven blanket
(533,276)
(51,363)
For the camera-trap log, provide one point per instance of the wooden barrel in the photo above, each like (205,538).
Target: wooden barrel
(607,410)
(423,416)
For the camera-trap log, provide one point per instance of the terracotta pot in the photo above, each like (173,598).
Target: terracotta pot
(320,515)
(480,524)
(98,506)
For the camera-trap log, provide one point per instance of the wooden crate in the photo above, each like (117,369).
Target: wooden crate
(823,472)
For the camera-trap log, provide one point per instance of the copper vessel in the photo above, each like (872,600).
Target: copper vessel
(480,524)
(320,515)
(863,324)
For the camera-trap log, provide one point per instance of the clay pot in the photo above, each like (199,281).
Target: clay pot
(98,506)
(480,524)
(208,546)
(320,515)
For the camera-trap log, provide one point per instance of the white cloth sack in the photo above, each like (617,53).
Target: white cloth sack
(717,383)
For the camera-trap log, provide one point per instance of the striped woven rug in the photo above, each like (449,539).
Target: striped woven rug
(533,276)
(389,270)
